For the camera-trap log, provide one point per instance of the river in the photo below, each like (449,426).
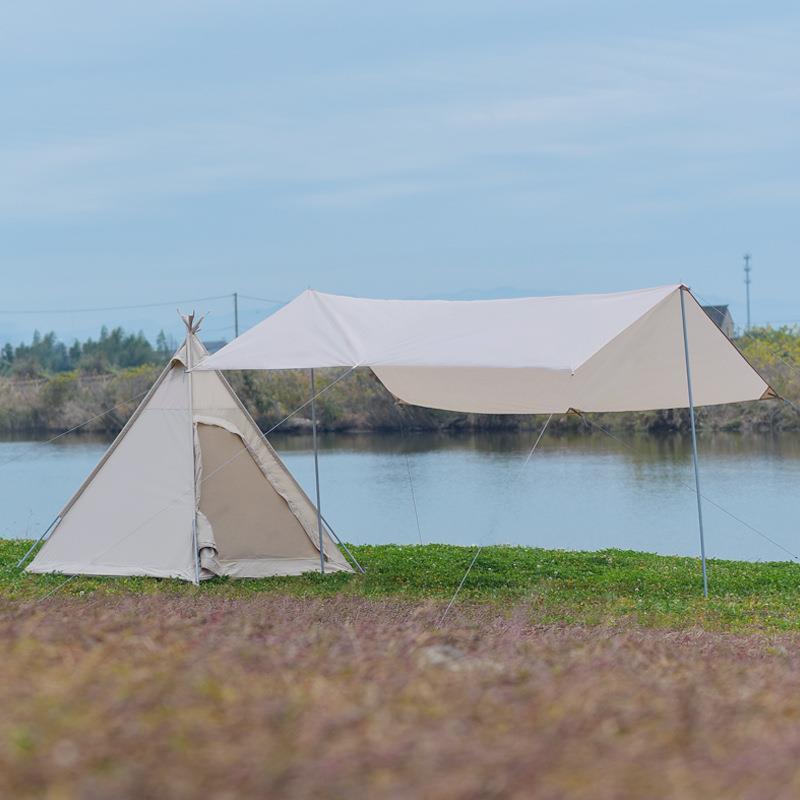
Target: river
(578,492)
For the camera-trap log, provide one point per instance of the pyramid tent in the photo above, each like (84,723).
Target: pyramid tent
(171,499)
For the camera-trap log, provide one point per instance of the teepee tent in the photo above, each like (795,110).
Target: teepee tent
(189,489)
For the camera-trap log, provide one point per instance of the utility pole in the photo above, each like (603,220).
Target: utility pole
(747,269)
(236,313)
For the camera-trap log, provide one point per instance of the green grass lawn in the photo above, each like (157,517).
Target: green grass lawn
(604,587)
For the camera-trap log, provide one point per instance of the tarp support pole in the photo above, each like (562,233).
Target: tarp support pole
(31,548)
(189,334)
(694,444)
(316,470)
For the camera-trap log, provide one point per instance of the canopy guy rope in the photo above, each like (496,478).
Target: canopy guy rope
(692,489)
(491,528)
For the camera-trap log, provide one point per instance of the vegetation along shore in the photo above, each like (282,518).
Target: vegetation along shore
(47,387)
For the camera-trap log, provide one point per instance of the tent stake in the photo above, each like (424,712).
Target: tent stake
(316,470)
(31,548)
(694,444)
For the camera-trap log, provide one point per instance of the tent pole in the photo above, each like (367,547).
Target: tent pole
(30,550)
(344,544)
(316,470)
(189,334)
(694,444)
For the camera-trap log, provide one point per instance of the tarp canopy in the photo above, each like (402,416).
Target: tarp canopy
(596,352)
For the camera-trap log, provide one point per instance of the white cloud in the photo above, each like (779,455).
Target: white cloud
(651,106)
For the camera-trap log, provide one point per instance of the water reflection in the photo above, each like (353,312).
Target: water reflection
(635,445)
(580,490)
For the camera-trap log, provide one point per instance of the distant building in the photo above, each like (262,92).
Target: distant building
(218,344)
(721,315)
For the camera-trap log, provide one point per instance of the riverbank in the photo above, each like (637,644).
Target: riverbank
(102,404)
(58,402)
(608,587)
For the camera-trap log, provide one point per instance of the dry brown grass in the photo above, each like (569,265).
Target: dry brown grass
(347,697)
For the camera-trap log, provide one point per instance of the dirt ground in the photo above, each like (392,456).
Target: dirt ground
(282,697)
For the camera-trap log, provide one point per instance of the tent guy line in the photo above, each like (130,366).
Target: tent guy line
(413,497)
(74,428)
(771,350)
(690,393)
(691,488)
(498,512)
(400,416)
(749,335)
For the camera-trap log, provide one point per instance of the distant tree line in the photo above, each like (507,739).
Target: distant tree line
(115,349)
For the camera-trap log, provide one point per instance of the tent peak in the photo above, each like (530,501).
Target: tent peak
(192,325)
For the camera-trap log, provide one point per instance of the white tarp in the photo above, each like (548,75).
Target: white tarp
(602,352)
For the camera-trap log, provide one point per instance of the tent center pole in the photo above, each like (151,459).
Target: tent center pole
(694,444)
(316,470)
(189,376)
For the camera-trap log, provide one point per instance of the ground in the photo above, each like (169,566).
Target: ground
(605,587)
(549,679)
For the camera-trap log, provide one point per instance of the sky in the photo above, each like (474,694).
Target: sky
(160,152)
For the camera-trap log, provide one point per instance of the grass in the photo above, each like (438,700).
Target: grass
(593,676)
(181,696)
(607,587)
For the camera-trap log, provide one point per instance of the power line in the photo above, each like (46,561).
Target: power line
(111,308)
(223,329)
(264,299)
(771,323)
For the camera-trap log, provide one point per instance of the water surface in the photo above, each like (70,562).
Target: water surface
(582,491)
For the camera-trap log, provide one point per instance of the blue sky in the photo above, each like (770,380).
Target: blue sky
(156,151)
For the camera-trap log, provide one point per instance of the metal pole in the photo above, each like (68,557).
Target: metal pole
(236,313)
(694,444)
(189,334)
(31,548)
(316,470)
(344,544)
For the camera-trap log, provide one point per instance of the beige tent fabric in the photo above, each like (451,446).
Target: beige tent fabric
(134,514)
(134,517)
(224,501)
(215,403)
(252,527)
(600,352)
